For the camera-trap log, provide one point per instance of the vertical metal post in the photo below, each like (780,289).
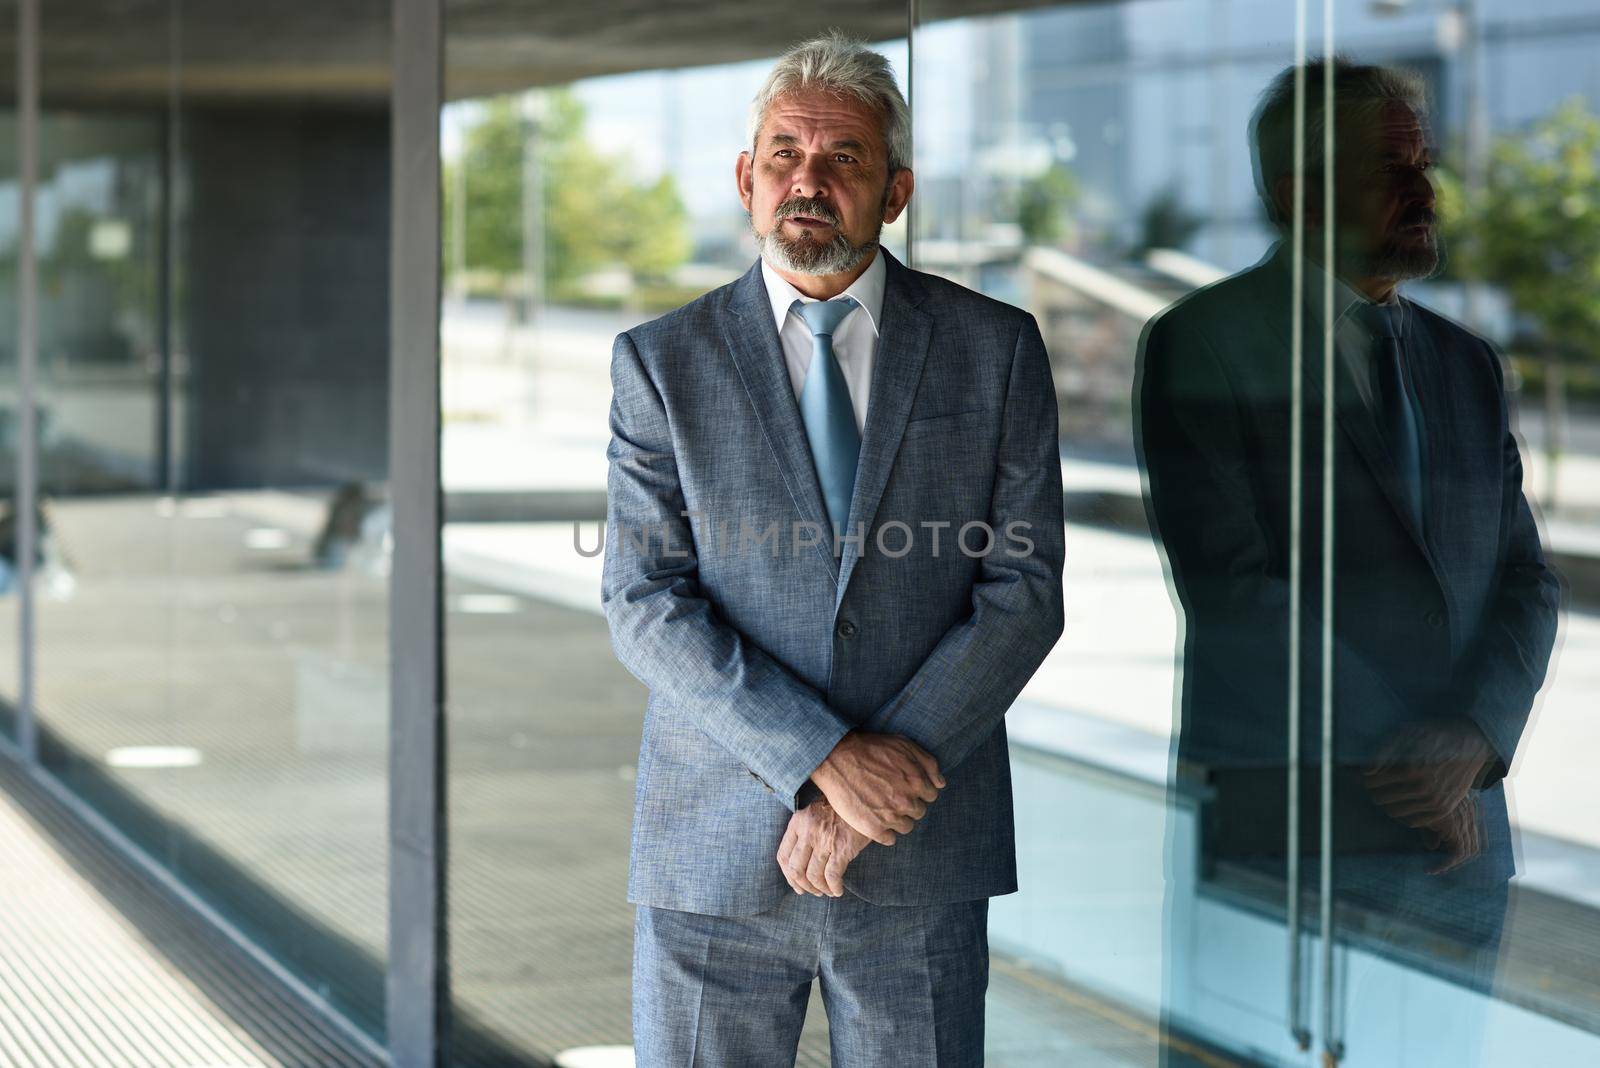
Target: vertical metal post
(167,337)
(26,501)
(1217,115)
(418,988)
(1297,248)
(911,94)
(532,218)
(161,475)
(458,230)
(1477,136)
(1332,1048)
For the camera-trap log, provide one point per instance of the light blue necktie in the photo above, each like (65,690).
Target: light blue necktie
(825,408)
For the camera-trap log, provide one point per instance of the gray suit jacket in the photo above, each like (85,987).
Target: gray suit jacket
(761,649)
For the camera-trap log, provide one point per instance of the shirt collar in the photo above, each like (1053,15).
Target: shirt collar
(1345,296)
(867,291)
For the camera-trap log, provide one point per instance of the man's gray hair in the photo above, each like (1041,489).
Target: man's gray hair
(1358,90)
(846,67)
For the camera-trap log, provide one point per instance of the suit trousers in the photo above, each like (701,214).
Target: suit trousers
(901,984)
(1456,922)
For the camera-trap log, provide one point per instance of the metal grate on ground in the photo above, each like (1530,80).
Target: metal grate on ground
(100,967)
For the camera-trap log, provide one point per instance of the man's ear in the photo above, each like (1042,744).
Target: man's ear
(1283,199)
(900,187)
(744,177)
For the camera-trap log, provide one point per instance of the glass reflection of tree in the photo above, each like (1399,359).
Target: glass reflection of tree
(597,215)
(1166,223)
(104,289)
(1534,231)
(1043,206)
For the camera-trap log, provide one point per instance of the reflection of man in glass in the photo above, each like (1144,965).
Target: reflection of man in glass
(1444,613)
(823,786)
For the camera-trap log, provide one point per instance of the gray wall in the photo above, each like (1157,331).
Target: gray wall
(283,285)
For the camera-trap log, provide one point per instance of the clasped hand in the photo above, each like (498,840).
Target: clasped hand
(817,848)
(875,787)
(1424,778)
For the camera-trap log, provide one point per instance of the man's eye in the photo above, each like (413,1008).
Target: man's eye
(841,157)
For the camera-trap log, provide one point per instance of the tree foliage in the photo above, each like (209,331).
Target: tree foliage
(596,213)
(1534,229)
(1166,223)
(1042,206)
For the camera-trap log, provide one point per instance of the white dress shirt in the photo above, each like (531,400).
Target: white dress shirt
(855,340)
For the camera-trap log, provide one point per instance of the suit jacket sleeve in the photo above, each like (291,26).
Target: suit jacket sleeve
(665,632)
(967,683)
(1507,665)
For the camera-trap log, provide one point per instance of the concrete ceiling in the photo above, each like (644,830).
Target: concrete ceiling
(494,45)
(122,51)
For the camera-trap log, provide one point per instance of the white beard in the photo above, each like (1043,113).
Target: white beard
(808,256)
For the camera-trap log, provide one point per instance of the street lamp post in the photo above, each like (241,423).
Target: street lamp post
(533,114)
(1458,32)
(1477,146)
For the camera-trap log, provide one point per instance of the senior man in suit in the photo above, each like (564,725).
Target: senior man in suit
(1444,612)
(833,554)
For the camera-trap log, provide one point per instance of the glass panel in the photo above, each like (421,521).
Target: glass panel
(1085,161)
(1100,164)
(1464,501)
(9,220)
(213,231)
(589,187)
(1113,156)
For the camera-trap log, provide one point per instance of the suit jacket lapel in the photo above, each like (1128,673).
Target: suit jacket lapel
(904,331)
(1350,411)
(752,338)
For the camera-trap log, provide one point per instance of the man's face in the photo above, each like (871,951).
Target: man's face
(817,183)
(1383,197)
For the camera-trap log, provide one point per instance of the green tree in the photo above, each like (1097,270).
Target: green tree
(1534,231)
(596,213)
(492,162)
(1166,223)
(1043,206)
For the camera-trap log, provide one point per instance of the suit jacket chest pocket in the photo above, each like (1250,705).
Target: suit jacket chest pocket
(946,463)
(954,428)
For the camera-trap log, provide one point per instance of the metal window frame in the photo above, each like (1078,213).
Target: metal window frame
(1325,987)
(418,978)
(26,497)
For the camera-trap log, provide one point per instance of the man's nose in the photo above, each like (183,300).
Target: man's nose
(810,178)
(1422,187)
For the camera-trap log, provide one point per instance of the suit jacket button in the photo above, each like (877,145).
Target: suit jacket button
(1435,619)
(845,629)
